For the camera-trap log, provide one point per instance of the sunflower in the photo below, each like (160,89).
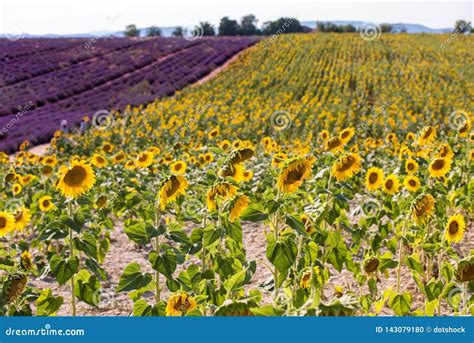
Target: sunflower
(371,265)
(119,157)
(391,185)
(235,171)
(144,159)
(237,206)
(22,218)
(464,128)
(240,155)
(101,201)
(324,135)
(27,179)
(346,166)
(208,157)
(411,166)
(26,260)
(346,135)
(171,189)
(45,203)
(107,148)
(308,224)
(179,304)
(7,223)
(455,228)
(334,143)
(247,175)
(278,160)
(16,189)
(294,173)
(130,165)
(178,167)
(99,161)
(374,178)
(213,133)
(444,150)
(305,279)
(412,183)
(422,208)
(76,180)
(440,166)
(225,144)
(224,190)
(426,135)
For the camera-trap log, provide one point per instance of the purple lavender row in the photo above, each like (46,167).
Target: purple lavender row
(154,81)
(72,52)
(61,84)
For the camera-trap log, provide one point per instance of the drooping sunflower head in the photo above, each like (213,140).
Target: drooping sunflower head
(391,184)
(240,155)
(224,190)
(465,269)
(45,204)
(180,304)
(308,223)
(26,260)
(76,179)
(426,135)
(237,206)
(178,167)
(346,166)
(422,208)
(371,265)
(305,281)
(22,218)
(171,189)
(7,223)
(346,134)
(374,178)
(440,166)
(144,159)
(412,183)
(411,166)
(455,227)
(294,173)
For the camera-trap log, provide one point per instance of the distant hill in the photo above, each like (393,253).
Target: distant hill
(398,27)
(167,31)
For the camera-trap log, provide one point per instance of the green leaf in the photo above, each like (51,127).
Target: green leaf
(47,304)
(142,309)
(254,213)
(235,282)
(87,244)
(433,289)
(132,278)
(337,253)
(87,288)
(400,303)
(165,263)
(141,233)
(296,224)
(63,269)
(387,262)
(281,254)
(267,311)
(76,222)
(211,234)
(413,262)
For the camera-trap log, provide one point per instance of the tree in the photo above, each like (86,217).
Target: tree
(178,31)
(228,27)
(153,31)
(206,28)
(462,26)
(386,28)
(282,26)
(349,28)
(248,25)
(132,31)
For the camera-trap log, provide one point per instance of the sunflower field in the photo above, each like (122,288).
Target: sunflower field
(317,175)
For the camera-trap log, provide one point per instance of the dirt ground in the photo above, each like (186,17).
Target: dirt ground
(123,251)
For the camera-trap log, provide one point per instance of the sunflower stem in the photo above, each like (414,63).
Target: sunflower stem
(71,253)
(400,256)
(157,250)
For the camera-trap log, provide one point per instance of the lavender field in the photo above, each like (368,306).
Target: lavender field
(46,81)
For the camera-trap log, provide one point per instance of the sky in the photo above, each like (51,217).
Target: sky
(84,16)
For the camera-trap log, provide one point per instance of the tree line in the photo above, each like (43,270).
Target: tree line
(248,26)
